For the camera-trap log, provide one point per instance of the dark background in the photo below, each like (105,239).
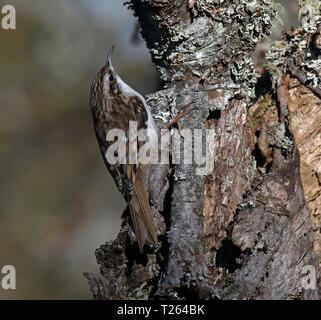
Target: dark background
(57,200)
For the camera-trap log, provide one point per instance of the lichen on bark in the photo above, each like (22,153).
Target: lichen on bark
(243,231)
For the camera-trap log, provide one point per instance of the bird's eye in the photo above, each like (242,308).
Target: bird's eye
(111,78)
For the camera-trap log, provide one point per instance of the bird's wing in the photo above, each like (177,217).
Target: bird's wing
(136,112)
(124,175)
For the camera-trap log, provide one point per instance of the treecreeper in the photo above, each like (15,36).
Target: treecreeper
(114,105)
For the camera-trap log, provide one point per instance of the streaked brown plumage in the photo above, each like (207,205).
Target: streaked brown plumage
(113,104)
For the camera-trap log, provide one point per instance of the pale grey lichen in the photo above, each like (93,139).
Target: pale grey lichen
(278,137)
(275,62)
(297,50)
(252,31)
(238,69)
(313,66)
(193,50)
(177,33)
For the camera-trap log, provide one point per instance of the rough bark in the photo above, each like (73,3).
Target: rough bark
(243,231)
(305,111)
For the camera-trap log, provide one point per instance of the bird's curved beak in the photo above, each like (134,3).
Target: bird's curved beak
(108,62)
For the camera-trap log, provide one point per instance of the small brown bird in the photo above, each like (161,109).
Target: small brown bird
(113,105)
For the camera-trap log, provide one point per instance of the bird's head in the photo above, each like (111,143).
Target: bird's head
(111,78)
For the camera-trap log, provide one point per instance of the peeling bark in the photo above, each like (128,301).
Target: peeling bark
(243,231)
(305,111)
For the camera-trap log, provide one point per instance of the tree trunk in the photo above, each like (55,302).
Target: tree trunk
(242,231)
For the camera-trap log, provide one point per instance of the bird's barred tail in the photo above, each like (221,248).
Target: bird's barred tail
(141,214)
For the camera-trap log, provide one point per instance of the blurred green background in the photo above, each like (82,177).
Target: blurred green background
(57,200)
